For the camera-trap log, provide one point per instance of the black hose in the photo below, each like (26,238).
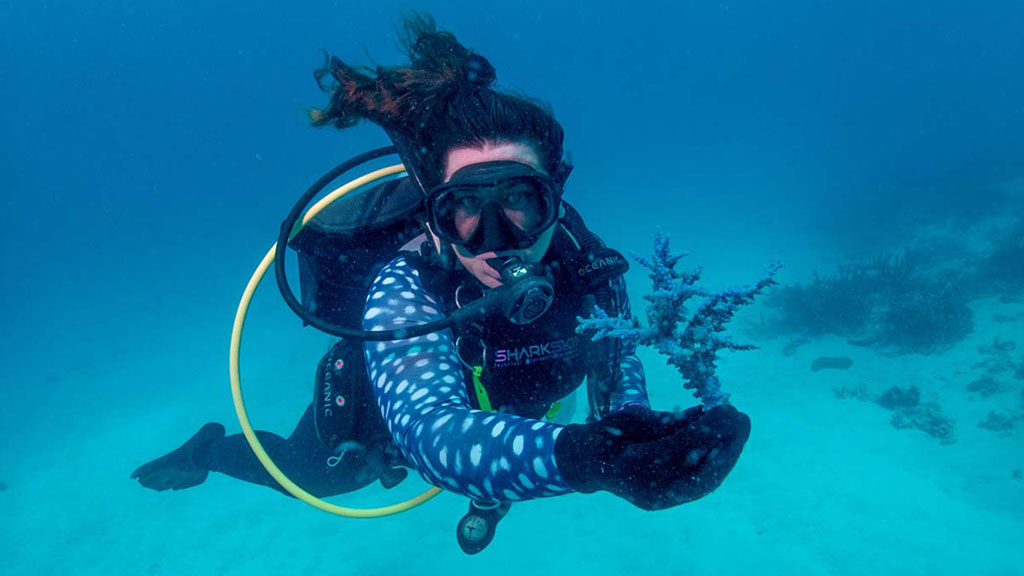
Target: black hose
(600,387)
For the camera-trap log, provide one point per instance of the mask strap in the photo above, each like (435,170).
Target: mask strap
(410,159)
(562,173)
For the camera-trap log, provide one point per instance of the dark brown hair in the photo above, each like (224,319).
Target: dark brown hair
(443,98)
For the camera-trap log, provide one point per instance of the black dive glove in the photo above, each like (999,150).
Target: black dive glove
(653,459)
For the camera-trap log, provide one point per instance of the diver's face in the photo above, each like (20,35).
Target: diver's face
(465,222)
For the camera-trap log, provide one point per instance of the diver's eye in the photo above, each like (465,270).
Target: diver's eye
(469,203)
(513,198)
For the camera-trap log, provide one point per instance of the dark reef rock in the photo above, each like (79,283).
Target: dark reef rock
(986,386)
(896,398)
(997,357)
(831,363)
(928,418)
(1002,424)
(910,412)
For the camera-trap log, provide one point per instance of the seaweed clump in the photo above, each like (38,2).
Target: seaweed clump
(1001,269)
(834,304)
(930,317)
(889,301)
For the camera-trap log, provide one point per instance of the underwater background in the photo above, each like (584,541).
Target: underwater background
(150,150)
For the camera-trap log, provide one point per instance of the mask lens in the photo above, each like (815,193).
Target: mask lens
(525,203)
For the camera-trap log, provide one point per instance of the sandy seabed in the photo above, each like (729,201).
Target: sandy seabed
(825,486)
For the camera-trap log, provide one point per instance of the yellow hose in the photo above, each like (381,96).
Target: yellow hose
(236,379)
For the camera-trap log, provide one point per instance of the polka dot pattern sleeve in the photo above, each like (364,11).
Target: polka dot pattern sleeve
(421,391)
(632,388)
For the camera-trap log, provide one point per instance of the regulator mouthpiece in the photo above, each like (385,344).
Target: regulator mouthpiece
(528,292)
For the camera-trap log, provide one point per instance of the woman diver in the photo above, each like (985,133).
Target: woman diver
(465,406)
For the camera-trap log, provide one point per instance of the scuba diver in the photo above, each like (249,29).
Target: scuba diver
(472,407)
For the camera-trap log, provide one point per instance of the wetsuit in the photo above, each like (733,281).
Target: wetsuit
(421,384)
(301,456)
(339,445)
(423,389)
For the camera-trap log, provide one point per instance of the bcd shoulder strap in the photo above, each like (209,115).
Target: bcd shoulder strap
(594,267)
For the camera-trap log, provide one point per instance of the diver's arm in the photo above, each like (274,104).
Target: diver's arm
(632,386)
(653,459)
(421,392)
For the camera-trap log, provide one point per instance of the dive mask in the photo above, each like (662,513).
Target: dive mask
(493,206)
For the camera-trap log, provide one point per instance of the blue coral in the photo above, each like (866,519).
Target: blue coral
(691,342)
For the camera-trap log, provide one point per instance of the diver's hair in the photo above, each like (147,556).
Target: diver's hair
(443,98)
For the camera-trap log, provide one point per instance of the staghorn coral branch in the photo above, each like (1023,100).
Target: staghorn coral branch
(601,325)
(690,342)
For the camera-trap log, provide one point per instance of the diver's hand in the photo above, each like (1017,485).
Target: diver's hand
(653,459)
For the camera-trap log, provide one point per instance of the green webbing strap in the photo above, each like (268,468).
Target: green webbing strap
(485,402)
(481,392)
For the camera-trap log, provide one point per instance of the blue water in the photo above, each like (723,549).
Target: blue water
(151,149)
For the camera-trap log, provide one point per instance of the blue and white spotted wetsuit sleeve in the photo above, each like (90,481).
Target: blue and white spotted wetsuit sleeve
(632,388)
(421,391)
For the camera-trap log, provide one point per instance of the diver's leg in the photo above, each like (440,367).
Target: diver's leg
(362,453)
(301,457)
(181,468)
(341,452)
(210,450)
(233,456)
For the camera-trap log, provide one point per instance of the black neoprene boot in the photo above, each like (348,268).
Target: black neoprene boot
(476,529)
(180,468)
